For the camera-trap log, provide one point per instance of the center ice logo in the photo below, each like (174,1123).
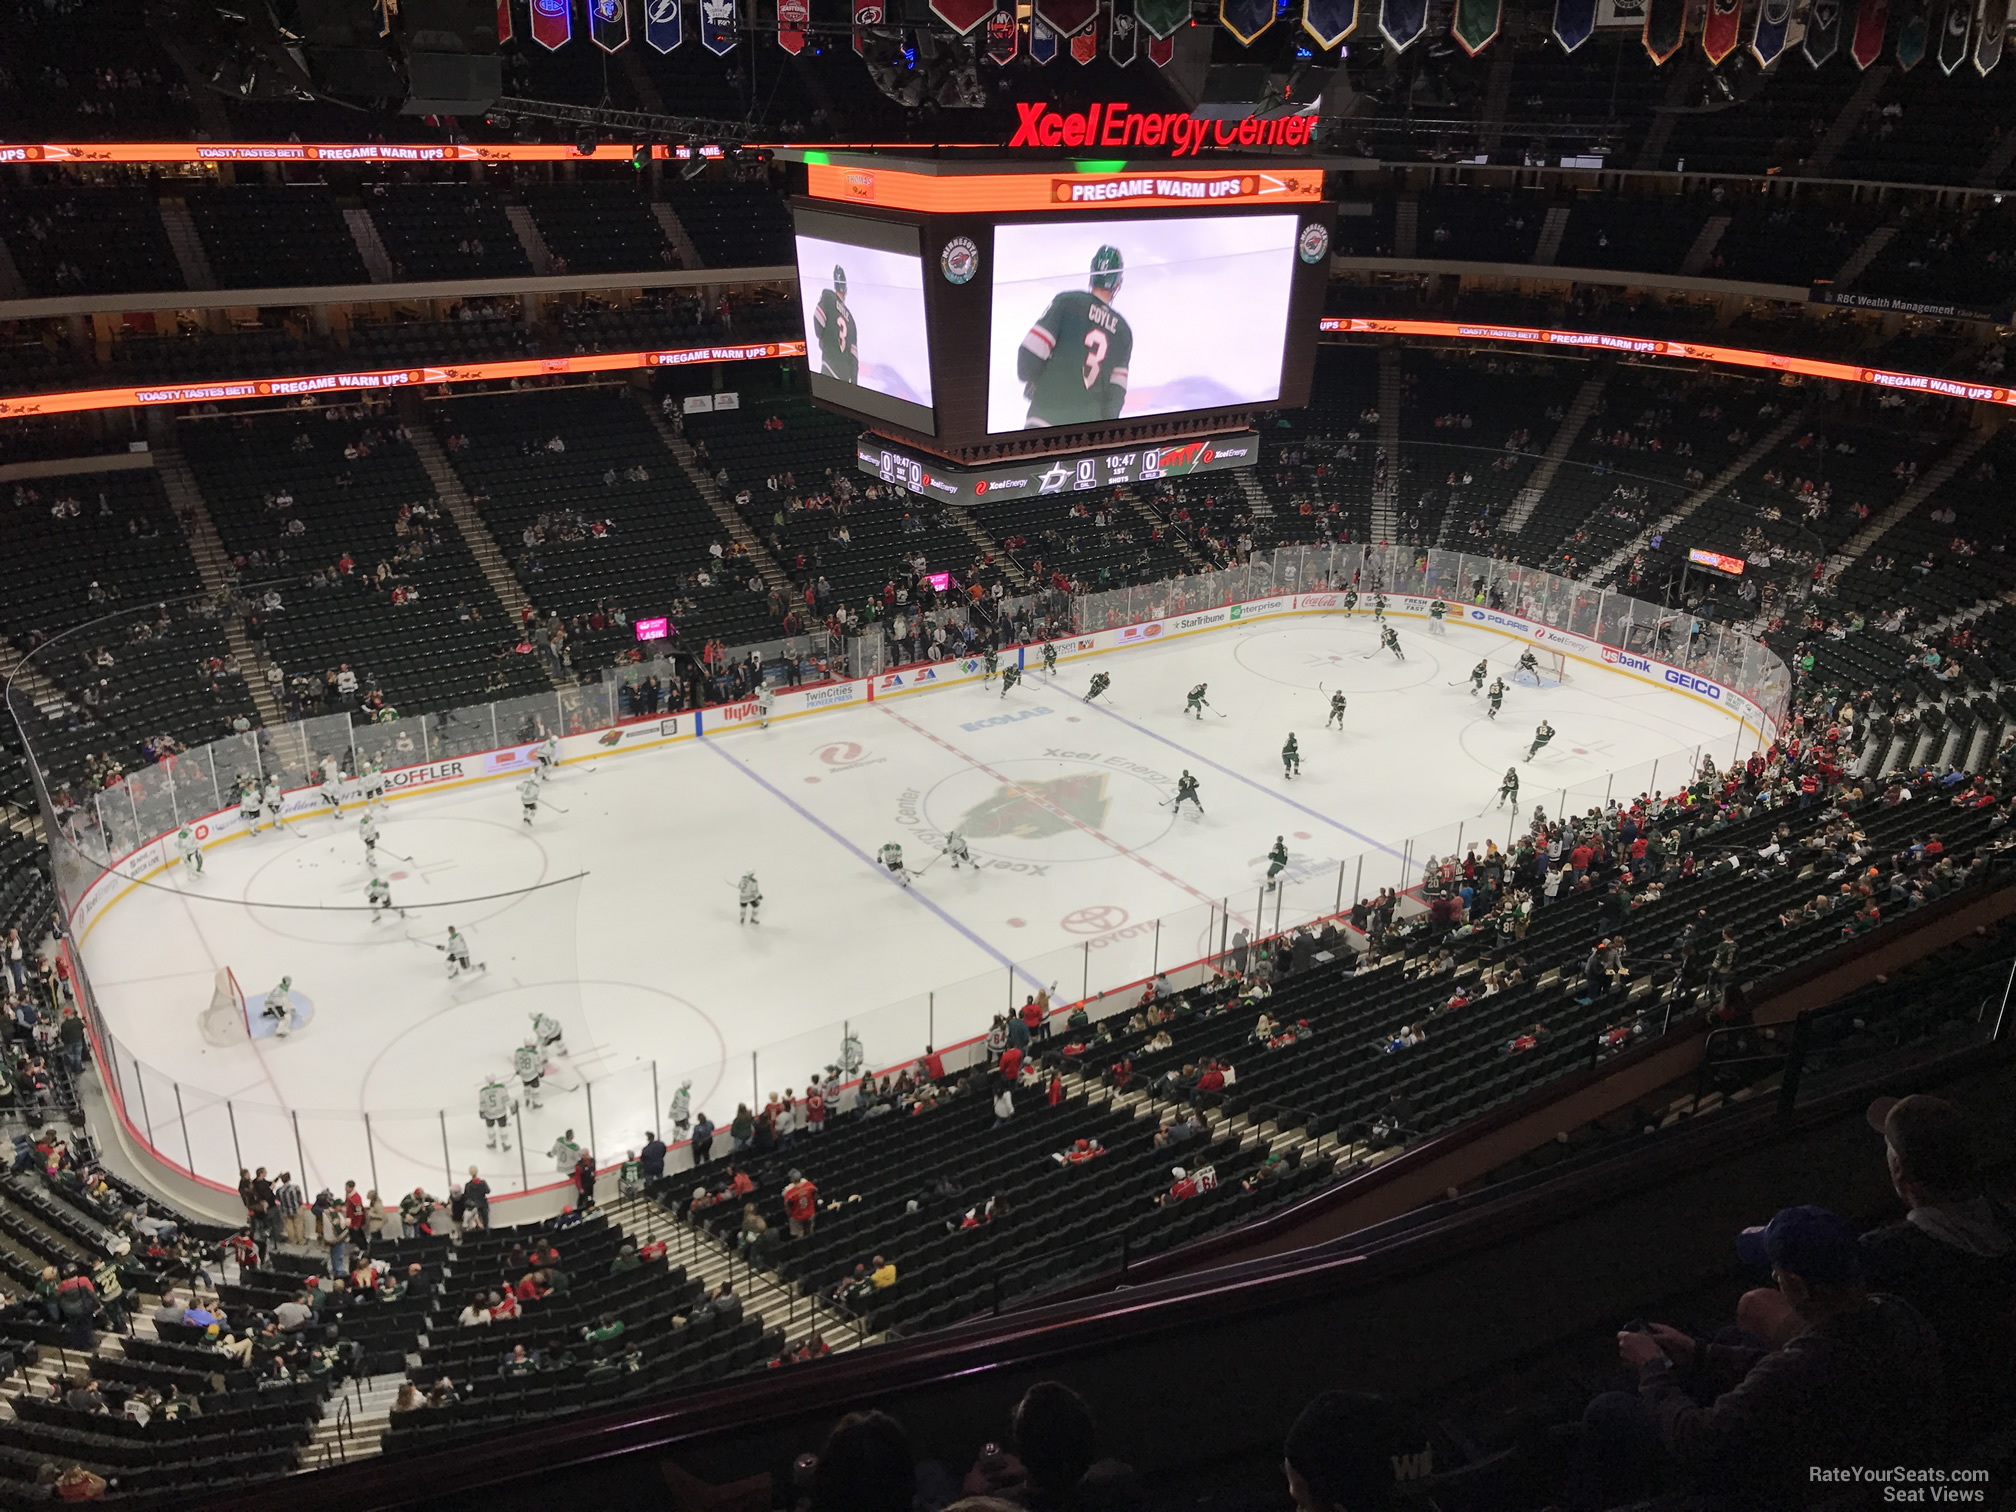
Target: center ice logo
(1032,810)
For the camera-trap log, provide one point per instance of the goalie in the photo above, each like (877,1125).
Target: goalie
(279,1007)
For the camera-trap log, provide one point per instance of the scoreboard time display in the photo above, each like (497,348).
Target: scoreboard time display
(1072,473)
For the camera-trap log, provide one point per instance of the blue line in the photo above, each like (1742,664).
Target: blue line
(1242,777)
(862,856)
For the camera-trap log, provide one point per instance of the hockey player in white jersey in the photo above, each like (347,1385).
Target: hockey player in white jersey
(367,830)
(530,1067)
(528,796)
(546,1034)
(190,852)
(751,899)
(955,847)
(248,808)
(372,781)
(332,795)
(681,1110)
(494,1103)
(765,702)
(892,858)
(548,756)
(457,951)
(378,893)
(269,803)
(279,1007)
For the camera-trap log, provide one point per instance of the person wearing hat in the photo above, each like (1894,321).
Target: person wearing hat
(1856,1383)
(1345,1453)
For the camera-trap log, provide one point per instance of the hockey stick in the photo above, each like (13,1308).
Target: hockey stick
(553,806)
(1214,711)
(397,857)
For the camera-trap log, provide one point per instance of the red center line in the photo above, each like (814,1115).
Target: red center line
(1043,802)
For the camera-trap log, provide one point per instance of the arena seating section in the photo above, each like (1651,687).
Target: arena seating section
(435,230)
(261,236)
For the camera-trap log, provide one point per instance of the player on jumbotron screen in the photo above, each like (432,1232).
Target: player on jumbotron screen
(1073,362)
(839,335)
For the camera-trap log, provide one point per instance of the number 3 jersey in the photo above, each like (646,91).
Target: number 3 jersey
(839,338)
(1073,362)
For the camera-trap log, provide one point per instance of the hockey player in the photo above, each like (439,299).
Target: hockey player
(765,702)
(990,663)
(279,1007)
(1277,859)
(1010,675)
(1100,683)
(1197,703)
(838,336)
(892,858)
(367,830)
(494,1103)
(378,893)
(530,1069)
(1497,695)
(681,1110)
(1508,788)
(1073,361)
(1477,675)
(565,1152)
(373,781)
(457,950)
(1350,602)
(248,808)
(1049,658)
(1186,791)
(1378,604)
(546,1035)
(751,899)
(955,847)
(1541,735)
(1390,639)
(1437,613)
(1530,665)
(190,852)
(1337,703)
(1291,758)
(332,794)
(528,796)
(547,756)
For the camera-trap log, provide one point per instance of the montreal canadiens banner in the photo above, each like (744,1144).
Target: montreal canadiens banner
(552,23)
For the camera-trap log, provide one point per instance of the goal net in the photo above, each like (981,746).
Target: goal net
(225,1022)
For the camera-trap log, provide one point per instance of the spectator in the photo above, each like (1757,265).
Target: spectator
(1343,1453)
(652,1158)
(293,1314)
(865,1465)
(703,1139)
(801,1205)
(476,1199)
(1004,1103)
(1056,1461)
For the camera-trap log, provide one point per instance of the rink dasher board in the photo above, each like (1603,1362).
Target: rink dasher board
(652,733)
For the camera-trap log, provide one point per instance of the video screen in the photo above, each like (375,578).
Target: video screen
(1113,319)
(861,295)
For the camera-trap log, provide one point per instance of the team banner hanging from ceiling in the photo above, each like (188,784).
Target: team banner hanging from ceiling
(793,17)
(1403,22)
(1474,24)
(552,23)
(1085,46)
(1329,21)
(1160,18)
(1123,33)
(1872,25)
(1066,18)
(664,25)
(1665,28)
(1823,31)
(961,15)
(1953,34)
(1721,29)
(1574,22)
(1988,41)
(1246,19)
(720,20)
(1774,21)
(504,32)
(1913,37)
(1161,51)
(1004,33)
(609,24)
(1042,42)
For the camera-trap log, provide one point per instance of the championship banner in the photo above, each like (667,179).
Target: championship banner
(664,24)
(1004,34)
(1042,42)
(1329,21)
(504,20)
(1774,20)
(609,24)
(1574,22)
(1123,36)
(1161,51)
(1988,40)
(793,16)
(1474,24)
(720,20)
(1085,46)
(1823,32)
(1913,37)
(1066,18)
(963,16)
(1246,19)
(1872,25)
(1403,22)
(1953,34)
(1721,29)
(1666,28)
(552,23)
(1161,18)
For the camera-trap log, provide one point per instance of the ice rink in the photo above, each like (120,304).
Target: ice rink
(641,956)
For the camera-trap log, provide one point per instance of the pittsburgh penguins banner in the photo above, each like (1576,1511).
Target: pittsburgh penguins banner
(793,16)
(1665,28)
(1953,34)
(1988,40)
(1774,21)
(609,24)
(1403,22)
(1474,24)
(1161,51)
(961,15)
(1246,19)
(553,24)
(1123,36)
(1161,18)
(1004,34)
(1872,25)
(1823,32)
(664,25)
(1721,29)
(1574,22)
(1913,37)
(1042,43)
(720,20)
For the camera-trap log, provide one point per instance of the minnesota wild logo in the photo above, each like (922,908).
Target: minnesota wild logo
(1032,810)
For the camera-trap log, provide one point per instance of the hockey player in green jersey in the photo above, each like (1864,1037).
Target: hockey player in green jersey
(1197,703)
(1477,675)
(1508,788)
(1530,665)
(1049,657)
(1073,362)
(990,663)
(1100,683)
(1378,604)
(1186,791)
(1497,695)
(1437,613)
(839,337)
(1541,736)
(1010,675)
(1277,860)
(1291,759)
(1350,602)
(1336,711)
(1390,639)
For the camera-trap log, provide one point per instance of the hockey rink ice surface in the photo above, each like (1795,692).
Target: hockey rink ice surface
(644,962)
